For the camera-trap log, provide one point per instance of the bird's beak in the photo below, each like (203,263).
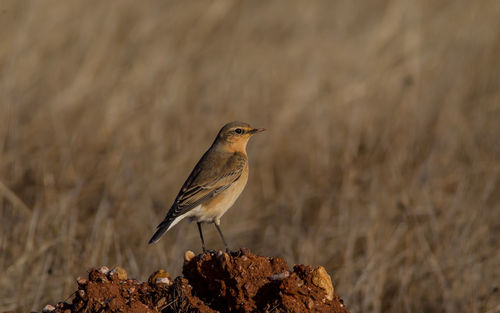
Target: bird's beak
(257,130)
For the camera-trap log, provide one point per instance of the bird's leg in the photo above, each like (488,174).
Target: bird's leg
(202,240)
(222,237)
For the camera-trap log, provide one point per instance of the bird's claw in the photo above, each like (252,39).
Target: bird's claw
(208,251)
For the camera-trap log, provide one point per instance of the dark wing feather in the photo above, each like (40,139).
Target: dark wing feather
(205,181)
(209,180)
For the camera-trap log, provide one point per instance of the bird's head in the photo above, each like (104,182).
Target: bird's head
(234,136)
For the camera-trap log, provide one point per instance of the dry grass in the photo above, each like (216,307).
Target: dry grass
(381,162)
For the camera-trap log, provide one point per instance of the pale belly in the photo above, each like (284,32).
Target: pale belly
(212,210)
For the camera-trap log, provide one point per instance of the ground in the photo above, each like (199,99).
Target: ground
(211,282)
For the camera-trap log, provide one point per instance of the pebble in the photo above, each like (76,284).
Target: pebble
(162,280)
(81,281)
(321,279)
(160,277)
(81,293)
(48,308)
(188,256)
(122,274)
(280,276)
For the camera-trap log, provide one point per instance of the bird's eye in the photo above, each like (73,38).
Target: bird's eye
(238,130)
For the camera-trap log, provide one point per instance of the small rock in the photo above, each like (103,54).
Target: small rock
(162,280)
(122,274)
(97,275)
(321,279)
(280,276)
(104,269)
(81,293)
(160,277)
(81,281)
(48,308)
(188,256)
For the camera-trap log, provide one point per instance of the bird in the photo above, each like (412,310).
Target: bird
(214,184)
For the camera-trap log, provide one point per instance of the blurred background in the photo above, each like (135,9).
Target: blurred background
(381,161)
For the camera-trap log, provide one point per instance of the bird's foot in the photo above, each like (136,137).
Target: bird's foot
(208,251)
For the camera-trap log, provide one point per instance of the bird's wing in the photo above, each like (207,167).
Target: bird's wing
(206,181)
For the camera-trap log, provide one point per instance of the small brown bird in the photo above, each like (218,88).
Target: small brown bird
(215,182)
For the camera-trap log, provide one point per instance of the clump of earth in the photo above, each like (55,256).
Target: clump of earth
(211,282)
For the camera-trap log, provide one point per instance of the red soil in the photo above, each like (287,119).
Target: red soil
(215,282)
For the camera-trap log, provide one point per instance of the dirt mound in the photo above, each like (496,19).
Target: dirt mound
(216,282)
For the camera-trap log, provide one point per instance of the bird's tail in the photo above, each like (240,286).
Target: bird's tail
(160,230)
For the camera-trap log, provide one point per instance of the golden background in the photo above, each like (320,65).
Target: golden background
(381,160)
